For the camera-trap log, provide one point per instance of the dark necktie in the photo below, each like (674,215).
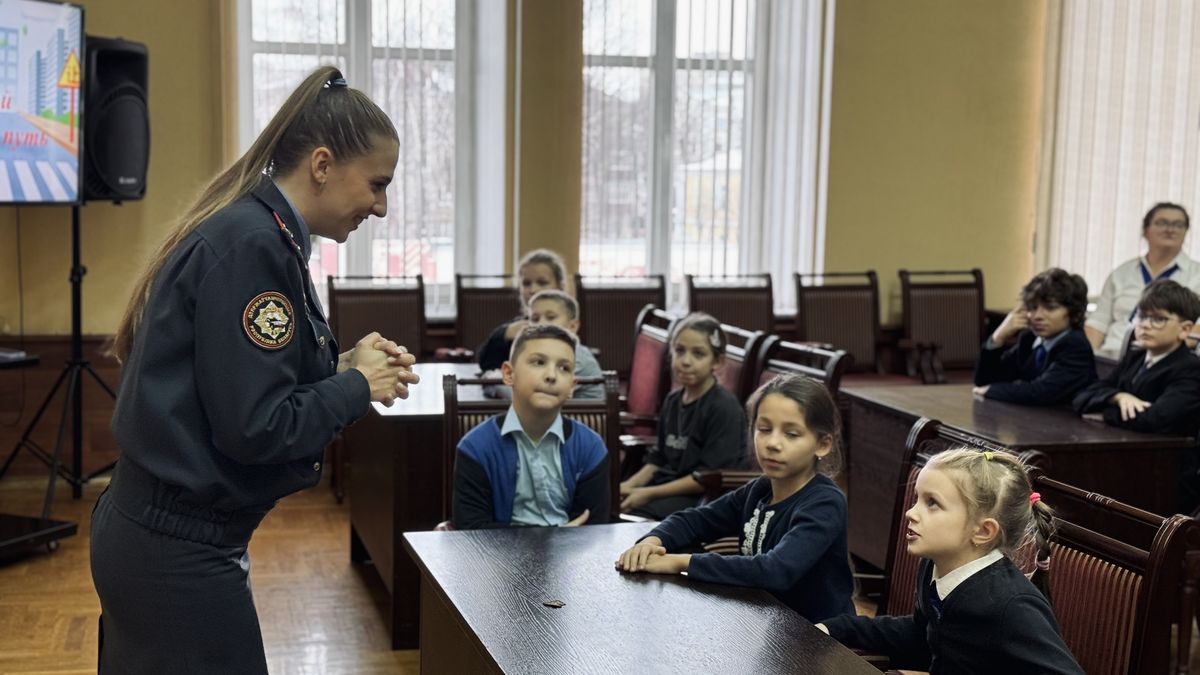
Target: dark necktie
(1039,357)
(935,602)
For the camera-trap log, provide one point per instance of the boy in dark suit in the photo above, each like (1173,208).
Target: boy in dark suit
(1156,386)
(1051,359)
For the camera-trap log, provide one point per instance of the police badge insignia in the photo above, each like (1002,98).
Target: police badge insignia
(268,320)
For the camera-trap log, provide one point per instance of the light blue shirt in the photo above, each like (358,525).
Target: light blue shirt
(541,496)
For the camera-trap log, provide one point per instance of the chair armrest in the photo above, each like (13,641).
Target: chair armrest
(629,419)
(717,482)
(881,662)
(630,518)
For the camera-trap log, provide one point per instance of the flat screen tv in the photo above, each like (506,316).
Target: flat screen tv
(41,101)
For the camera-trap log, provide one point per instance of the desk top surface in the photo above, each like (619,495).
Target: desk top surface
(1015,426)
(611,622)
(426,398)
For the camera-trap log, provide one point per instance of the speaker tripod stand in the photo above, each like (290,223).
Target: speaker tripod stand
(73,377)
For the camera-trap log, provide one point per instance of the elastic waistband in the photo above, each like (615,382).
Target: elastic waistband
(158,506)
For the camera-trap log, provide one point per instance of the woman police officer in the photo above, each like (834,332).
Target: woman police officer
(232,384)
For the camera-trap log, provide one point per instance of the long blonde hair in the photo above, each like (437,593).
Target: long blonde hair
(322,111)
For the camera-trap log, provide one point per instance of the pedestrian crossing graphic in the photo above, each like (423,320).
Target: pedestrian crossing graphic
(37,181)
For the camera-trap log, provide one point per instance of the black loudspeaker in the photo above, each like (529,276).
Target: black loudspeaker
(116,138)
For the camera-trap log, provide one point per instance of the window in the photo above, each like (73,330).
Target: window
(1123,131)
(704,139)
(403,53)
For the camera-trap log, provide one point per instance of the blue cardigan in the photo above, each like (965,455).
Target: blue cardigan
(582,453)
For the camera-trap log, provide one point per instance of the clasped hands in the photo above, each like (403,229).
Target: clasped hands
(386,365)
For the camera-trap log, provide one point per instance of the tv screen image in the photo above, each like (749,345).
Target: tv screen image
(40,101)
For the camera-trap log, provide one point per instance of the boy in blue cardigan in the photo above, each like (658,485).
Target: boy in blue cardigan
(530,466)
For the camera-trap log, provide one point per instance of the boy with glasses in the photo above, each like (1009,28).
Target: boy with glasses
(1156,387)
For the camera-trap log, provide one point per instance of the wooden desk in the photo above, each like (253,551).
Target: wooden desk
(1136,468)
(396,475)
(481,611)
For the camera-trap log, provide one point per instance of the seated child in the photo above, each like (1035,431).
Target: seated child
(790,522)
(539,270)
(701,425)
(1155,388)
(1052,358)
(559,309)
(976,611)
(532,466)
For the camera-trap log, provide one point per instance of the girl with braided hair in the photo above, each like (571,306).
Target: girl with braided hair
(976,612)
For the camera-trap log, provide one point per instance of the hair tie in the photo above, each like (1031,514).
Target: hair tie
(1034,498)
(336,82)
(1043,565)
(987,455)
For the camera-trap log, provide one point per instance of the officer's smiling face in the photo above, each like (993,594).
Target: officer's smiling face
(354,190)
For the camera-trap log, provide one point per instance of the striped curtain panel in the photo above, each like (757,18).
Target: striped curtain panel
(1126,113)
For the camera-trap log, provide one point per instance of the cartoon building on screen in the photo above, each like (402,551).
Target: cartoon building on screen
(40,102)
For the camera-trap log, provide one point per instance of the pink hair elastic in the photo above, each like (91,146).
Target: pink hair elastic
(1034,498)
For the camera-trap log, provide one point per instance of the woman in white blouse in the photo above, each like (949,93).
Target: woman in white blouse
(1165,227)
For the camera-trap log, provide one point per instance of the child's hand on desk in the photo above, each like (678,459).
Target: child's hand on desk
(670,563)
(639,496)
(634,559)
(821,627)
(1130,405)
(981,392)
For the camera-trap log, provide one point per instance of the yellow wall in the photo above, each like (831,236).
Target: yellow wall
(934,140)
(551,139)
(184,151)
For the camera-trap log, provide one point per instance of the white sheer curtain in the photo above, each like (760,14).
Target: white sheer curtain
(415,59)
(786,188)
(703,138)
(1124,133)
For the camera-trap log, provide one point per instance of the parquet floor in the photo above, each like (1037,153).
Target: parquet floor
(319,614)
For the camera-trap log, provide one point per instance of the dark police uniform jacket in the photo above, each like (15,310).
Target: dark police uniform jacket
(230,393)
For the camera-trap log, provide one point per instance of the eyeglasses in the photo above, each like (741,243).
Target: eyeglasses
(1169,224)
(1155,320)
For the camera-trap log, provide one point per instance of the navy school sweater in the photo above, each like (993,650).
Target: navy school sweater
(795,549)
(996,621)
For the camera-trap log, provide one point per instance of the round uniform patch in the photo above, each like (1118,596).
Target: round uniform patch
(268,320)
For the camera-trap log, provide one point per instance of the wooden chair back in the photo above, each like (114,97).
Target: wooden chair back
(606,305)
(394,306)
(841,309)
(743,300)
(601,415)
(945,308)
(483,302)
(650,372)
(780,357)
(740,363)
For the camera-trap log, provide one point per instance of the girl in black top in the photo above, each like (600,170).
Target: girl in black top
(232,385)
(790,523)
(701,425)
(541,269)
(976,611)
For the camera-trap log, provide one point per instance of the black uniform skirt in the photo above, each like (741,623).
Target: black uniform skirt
(170,604)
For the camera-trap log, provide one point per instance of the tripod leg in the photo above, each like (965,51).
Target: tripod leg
(102,383)
(72,386)
(37,417)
